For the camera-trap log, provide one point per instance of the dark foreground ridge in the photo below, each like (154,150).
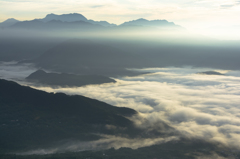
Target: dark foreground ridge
(65,79)
(31,118)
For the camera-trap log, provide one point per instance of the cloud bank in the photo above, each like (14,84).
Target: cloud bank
(198,106)
(14,71)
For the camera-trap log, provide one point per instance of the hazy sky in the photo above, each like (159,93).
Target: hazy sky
(191,14)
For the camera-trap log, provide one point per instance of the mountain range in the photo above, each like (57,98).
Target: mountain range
(152,23)
(55,25)
(73,17)
(67,20)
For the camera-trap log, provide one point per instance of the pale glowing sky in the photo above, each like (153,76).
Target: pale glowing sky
(191,14)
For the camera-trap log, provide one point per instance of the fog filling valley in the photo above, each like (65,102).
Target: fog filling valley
(197,105)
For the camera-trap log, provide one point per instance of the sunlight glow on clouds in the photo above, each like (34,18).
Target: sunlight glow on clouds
(196,105)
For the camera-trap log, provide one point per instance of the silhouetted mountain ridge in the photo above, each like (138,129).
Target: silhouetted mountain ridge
(8,22)
(64,21)
(31,118)
(55,25)
(76,17)
(152,23)
(73,17)
(65,79)
(64,17)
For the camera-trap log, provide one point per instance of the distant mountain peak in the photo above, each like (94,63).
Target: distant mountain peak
(141,19)
(73,17)
(152,23)
(50,15)
(73,14)
(40,72)
(10,20)
(65,17)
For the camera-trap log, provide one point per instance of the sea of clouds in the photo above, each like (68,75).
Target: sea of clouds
(196,105)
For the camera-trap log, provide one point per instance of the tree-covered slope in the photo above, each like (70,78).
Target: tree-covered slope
(31,118)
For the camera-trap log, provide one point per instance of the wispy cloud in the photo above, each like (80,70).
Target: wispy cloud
(106,142)
(230,5)
(227,6)
(97,6)
(14,71)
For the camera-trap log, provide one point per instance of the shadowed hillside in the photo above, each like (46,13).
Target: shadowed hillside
(65,79)
(31,118)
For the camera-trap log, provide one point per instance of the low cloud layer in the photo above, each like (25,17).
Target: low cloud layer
(15,71)
(198,106)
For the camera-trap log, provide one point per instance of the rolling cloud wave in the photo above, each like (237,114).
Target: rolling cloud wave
(197,106)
